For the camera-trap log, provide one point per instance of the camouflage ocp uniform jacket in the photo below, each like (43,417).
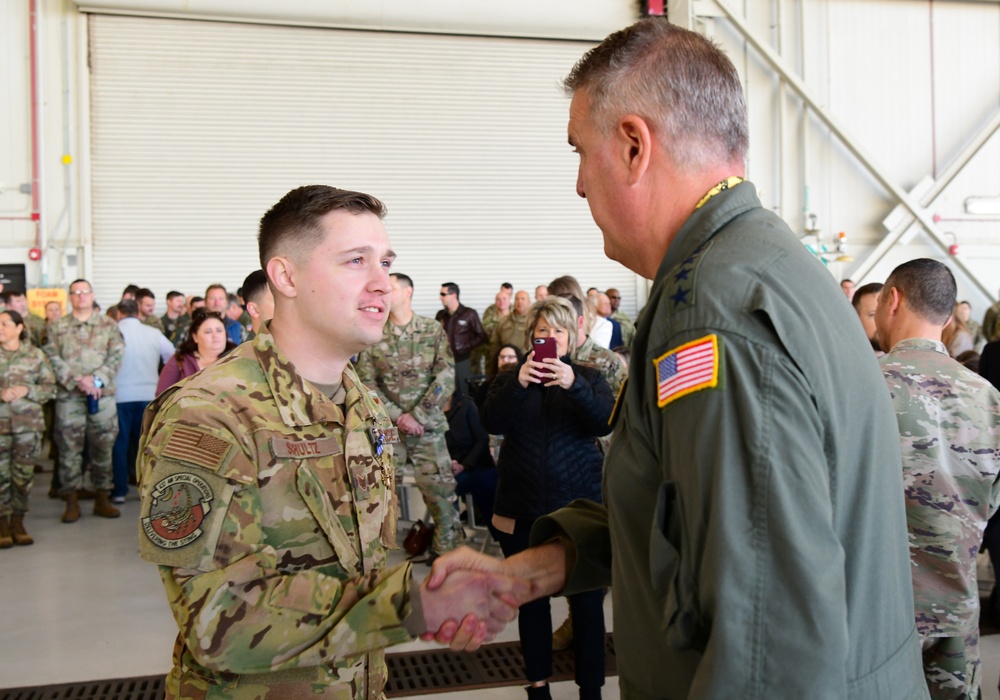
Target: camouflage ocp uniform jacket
(412,370)
(78,348)
(269,508)
(949,425)
(590,354)
(26,366)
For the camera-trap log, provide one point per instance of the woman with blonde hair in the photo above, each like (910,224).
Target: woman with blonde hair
(550,412)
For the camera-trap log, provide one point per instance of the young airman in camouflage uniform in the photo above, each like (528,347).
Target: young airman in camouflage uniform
(949,424)
(413,372)
(26,382)
(267,484)
(85,349)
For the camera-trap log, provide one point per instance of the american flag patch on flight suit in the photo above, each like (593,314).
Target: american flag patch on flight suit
(691,367)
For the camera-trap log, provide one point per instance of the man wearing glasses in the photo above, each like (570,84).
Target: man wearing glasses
(465,333)
(86,350)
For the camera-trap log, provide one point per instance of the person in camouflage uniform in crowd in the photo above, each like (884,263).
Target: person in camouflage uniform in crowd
(949,423)
(85,349)
(16,300)
(511,328)
(26,382)
(267,484)
(413,372)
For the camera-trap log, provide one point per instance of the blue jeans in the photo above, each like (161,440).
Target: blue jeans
(126,449)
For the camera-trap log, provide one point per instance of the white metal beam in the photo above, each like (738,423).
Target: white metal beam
(881,175)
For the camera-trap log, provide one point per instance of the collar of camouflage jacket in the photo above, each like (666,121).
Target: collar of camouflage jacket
(920,344)
(299,402)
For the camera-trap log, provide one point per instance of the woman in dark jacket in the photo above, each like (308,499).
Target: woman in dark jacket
(550,414)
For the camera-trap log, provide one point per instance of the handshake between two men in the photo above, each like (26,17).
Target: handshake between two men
(470,597)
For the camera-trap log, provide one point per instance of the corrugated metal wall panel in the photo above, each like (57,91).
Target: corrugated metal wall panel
(198,127)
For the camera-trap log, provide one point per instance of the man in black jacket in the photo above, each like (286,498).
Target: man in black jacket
(465,333)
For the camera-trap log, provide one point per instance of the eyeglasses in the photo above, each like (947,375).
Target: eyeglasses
(445,294)
(79,293)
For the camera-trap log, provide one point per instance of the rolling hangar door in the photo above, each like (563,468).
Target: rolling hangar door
(197,127)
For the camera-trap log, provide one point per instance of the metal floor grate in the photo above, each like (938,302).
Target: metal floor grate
(423,672)
(413,673)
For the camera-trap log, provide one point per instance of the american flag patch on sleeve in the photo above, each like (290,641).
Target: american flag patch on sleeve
(197,447)
(691,367)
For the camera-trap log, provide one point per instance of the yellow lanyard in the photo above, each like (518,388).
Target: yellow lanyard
(730,181)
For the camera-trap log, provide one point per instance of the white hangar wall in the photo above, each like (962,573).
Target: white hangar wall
(168,126)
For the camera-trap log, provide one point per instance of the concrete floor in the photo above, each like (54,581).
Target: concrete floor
(81,605)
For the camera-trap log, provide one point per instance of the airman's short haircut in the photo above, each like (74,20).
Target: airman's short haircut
(677,80)
(403,280)
(292,226)
(928,287)
(863,291)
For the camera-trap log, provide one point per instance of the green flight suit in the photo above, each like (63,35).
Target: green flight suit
(754,511)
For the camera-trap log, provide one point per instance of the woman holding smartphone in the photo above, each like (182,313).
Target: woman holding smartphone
(550,412)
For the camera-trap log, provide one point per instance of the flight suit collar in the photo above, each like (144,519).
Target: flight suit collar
(299,403)
(706,221)
(920,344)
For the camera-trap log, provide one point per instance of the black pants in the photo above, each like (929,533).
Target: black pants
(534,622)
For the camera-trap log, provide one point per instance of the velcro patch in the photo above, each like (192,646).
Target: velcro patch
(177,510)
(197,447)
(686,369)
(288,448)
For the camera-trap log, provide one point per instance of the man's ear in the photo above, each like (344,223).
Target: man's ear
(281,272)
(253,310)
(636,145)
(895,300)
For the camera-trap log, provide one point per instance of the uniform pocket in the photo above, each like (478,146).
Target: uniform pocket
(670,572)
(315,495)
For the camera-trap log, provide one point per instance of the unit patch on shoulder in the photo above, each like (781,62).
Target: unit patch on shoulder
(178,508)
(686,369)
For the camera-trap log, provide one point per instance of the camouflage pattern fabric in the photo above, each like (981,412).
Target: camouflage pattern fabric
(180,330)
(510,330)
(22,423)
(949,424)
(170,325)
(412,371)
(77,348)
(491,317)
(628,326)
(269,508)
(26,366)
(483,354)
(590,354)
(36,329)
(154,322)
(17,470)
(73,427)
(952,667)
(991,323)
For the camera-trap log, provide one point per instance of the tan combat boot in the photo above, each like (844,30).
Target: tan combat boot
(21,537)
(72,513)
(562,638)
(5,538)
(103,507)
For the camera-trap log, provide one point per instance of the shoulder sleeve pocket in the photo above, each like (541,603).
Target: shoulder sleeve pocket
(189,477)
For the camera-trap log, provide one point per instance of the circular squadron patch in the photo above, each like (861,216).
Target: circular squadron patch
(179,506)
